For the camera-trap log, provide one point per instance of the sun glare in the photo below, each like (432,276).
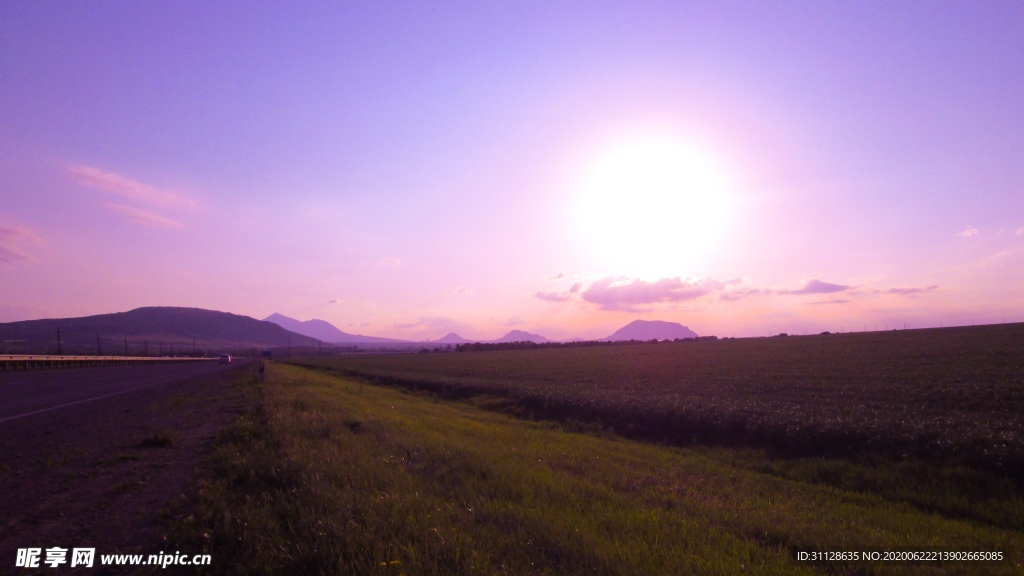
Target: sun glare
(653,206)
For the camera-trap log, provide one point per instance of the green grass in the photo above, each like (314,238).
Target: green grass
(954,395)
(325,475)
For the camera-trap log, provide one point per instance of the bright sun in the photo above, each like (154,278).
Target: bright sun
(653,206)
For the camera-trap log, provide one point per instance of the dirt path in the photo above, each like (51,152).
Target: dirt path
(108,473)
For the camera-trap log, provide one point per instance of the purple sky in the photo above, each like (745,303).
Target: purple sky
(411,169)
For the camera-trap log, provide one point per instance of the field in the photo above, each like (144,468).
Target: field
(325,474)
(953,395)
(668,458)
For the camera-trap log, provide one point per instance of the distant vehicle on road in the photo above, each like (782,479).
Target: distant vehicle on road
(225,359)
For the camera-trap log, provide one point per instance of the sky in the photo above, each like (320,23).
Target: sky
(410,169)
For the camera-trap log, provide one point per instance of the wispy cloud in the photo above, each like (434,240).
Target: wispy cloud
(740,293)
(12,241)
(909,291)
(1020,231)
(142,216)
(554,296)
(968,232)
(139,203)
(440,324)
(390,262)
(127,188)
(638,295)
(816,287)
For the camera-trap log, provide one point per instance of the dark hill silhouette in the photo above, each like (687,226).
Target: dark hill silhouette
(452,338)
(322,330)
(521,336)
(151,329)
(651,330)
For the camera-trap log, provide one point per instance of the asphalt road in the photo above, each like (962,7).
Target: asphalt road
(36,392)
(103,456)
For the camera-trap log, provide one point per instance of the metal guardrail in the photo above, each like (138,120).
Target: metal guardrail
(26,362)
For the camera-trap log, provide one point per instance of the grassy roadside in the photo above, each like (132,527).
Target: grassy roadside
(326,475)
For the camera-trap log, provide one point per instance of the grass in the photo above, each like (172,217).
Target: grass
(953,395)
(325,475)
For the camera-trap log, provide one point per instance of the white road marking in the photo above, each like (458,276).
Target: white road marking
(2,420)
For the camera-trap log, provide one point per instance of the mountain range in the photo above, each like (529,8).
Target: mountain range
(636,330)
(174,330)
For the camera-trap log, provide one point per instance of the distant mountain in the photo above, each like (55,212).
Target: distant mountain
(651,330)
(521,336)
(146,330)
(452,338)
(322,330)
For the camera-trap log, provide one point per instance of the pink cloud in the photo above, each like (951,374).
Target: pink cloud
(125,187)
(142,216)
(908,291)
(622,294)
(816,287)
(968,232)
(11,242)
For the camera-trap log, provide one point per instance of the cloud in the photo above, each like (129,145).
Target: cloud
(737,294)
(129,189)
(575,288)
(139,202)
(816,287)
(440,324)
(908,291)
(1020,231)
(11,242)
(142,216)
(390,262)
(553,296)
(624,294)
(820,302)
(466,290)
(558,276)
(333,301)
(968,232)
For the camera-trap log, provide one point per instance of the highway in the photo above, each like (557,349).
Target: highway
(32,392)
(91,456)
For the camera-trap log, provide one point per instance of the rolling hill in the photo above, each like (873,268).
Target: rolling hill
(151,330)
(651,330)
(322,330)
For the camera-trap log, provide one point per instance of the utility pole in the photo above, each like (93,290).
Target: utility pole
(59,352)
